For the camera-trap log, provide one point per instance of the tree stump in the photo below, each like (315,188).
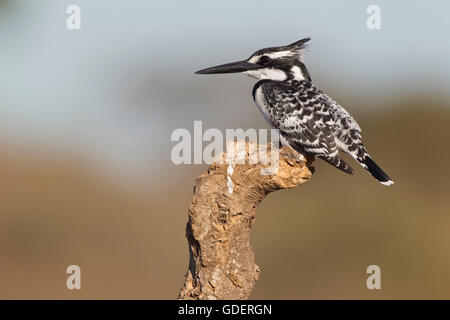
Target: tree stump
(221,216)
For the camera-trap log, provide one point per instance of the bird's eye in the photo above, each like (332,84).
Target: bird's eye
(264,60)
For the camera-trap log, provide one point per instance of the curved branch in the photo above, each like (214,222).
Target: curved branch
(221,216)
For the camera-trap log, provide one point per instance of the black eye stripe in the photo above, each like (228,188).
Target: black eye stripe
(264,59)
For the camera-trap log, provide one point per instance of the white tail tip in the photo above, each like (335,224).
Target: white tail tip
(387,183)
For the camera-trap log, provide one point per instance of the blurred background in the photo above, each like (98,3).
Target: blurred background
(85,124)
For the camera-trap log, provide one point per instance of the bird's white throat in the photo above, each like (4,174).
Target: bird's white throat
(266,73)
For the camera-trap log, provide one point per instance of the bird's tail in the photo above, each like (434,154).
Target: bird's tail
(375,170)
(367,163)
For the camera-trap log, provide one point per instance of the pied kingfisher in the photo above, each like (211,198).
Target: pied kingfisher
(308,120)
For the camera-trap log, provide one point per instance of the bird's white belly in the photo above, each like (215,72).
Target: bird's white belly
(260,101)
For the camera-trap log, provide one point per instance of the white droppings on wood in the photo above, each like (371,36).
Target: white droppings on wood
(230,185)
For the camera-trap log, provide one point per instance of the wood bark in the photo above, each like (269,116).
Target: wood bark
(221,216)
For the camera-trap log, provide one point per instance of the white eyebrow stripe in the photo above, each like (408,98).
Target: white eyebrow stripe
(272,55)
(254,59)
(279,54)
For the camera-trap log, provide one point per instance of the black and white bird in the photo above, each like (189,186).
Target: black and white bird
(308,120)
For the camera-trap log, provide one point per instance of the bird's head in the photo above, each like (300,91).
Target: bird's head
(282,63)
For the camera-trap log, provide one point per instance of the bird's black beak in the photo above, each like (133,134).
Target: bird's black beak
(233,67)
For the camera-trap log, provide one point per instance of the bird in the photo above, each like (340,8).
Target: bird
(308,120)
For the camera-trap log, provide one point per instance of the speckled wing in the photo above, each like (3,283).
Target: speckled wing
(302,114)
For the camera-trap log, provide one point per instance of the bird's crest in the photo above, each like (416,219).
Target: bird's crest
(299,46)
(296,49)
